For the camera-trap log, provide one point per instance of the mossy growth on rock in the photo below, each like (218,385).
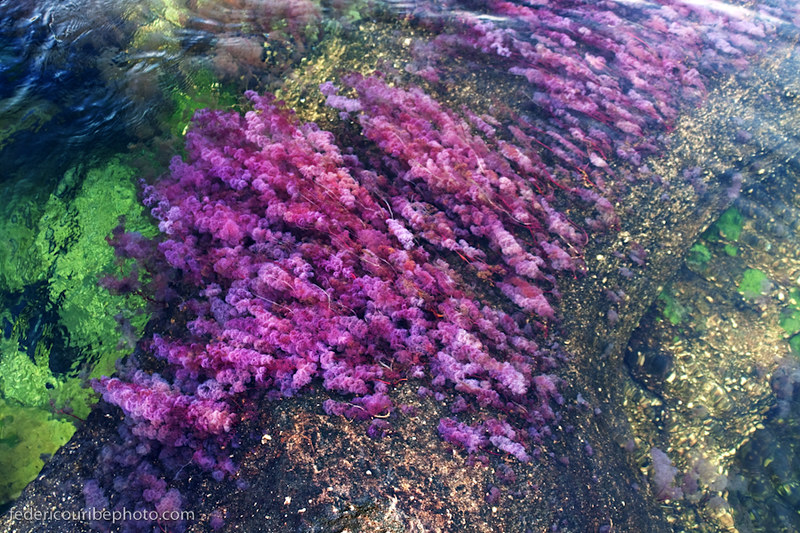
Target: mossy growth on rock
(672,310)
(754,283)
(58,328)
(728,227)
(26,434)
(699,255)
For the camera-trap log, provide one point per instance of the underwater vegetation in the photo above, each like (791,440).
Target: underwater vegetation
(291,269)
(429,249)
(26,434)
(59,327)
(293,260)
(672,310)
(754,283)
(731,360)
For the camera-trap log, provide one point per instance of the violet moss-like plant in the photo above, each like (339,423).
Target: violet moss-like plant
(607,79)
(456,188)
(289,261)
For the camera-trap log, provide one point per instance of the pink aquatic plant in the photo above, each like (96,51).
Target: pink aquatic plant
(456,187)
(291,262)
(607,79)
(294,263)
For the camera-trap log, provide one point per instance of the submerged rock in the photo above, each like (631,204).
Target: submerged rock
(294,468)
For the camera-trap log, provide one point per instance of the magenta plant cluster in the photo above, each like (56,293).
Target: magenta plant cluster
(458,187)
(608,79)
(295,261)
(305,264)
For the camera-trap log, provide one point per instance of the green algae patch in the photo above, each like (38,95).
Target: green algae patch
(26,433)
(58,327)
(73,253)
(73,237)
(204,91)
(718,239)
(794,344)
(790,320)
(30,382)
(794,297)
(20,210)
(672,310)
(699,255)
(730,224)
(728,227)
(754,283)
(22,379)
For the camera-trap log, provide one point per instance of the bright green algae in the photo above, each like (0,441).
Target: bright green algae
(59,326)
(25,434)
(672,309)
(754,283)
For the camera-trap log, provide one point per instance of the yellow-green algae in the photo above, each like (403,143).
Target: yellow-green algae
(25,434)
(72,238)
(754,283)
(672,309)
(204,91)
(699,254)
(58,241)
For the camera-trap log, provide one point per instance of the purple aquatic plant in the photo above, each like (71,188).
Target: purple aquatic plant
(291,261)
(663,476)
(607,79)
(456,188)
(291,264)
